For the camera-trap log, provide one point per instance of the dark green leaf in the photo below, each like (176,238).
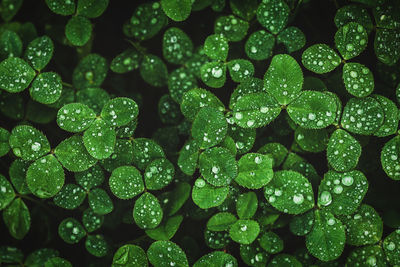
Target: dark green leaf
(147,211)
(78,30)
(17,219)
(71,231)
(39,52)
(15,75)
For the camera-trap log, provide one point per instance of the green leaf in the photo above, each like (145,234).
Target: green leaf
(221,221)
(126,61)
(234,29)
(147,211)
(130,256)
(271,242)
(120,111)
(40,256)
(177,47)
(273,15)
(387,15)
(244,138)
(244,9)
(209,127)
(391,246)
(207,196)
(166,230)
(100,202)
(71,231)
(57,262)
(145,151)
(170,253)
(73,155)
(93,97)
(313,110)
(90,178)
(358,79)
(255,170)
(386,45)
(99,139)
(240,69)
(213,74)
(246,205)
(154,71)
(159,173)
(91,8)
(302,224)
(75,117)
(70,197)
(177,10)
(10,45)
(362,116)
(367,255)
(259,45)
(17,172)
(180,81)
(320,58)
(216,259)
(122,155)
(277,151)
(353,13)
(327,237)
(90,72)
(96,245)
(244,231)
(4,144)
(218,166)
(188,157)
(253,255)
(351,40)
(289,192)
(9,8)
(126,182)
(292,38)
(169,111)
(46,88)
(216,240)
(92,221)
(17,218)
(7,193)
(174,200)
(342,193)
(311,140)
(283,79)
(284,260)
(343,151)
(15,75)
(78,30)
(255,110)
(61,7)
(28,143)
(391,118)
(364,227)
(39,52)
(196,99)
(216,47)
(390,156)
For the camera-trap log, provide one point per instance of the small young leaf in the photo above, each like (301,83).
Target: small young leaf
(293,39)
(216,259)
(75,117)
(177,10)
(96,245)
(120,111)
(71,231)
(343,151)
(390,156)
(15,75)
(246,205)
(17,218)
(244,231)
(159,173)
(218,166)
(91,8)
(145,151)
(196,99)
(39,52)
(351,40)
(130,256)
(70,197)
(126,61)
(255,170)
(216,47)
(46,88)
(100,202)
(289,192)
(166,230)
(90,178)
(358,79)
(221,221)
(61,7)
(78,30)
(240,69)
(7,193)
(28,143)
(277,151)
(99,139)
(213,74)
(154,71)
(233,28)
(147,211)
(327,237)
(391,246)
(126,182)
(177,47)
(342,193)
(92,221)
(320,58)
(273,15)
(170,253)
(259,45)
(207,196)
(90,72)
(209,127)
(313,110)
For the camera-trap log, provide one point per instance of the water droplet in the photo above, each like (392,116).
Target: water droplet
(298,199)
(200,183)
(325,198)
(238,116)
(258,160)
(311,116)
(331,221)
(338,189)
(216,72)
(250,123)
(215,169)
(243,228)
(347,180)
(391,246)
(36,146)
(349,47)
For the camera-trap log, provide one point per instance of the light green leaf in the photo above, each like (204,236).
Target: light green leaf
(28,143)
(126,61)
(240,69)
(391,246)
(177,47)
(362,116)
(259,45)
(154,71)
(213,74)
(10,45)
(391,118)
(255,170)
(221,221)
(358,79)
(351,40)
(99,139)
(293,39)
(130,256)
(273,15)
(327,237)
(244,231)
(320,58)
(70,197)
(180,81)
(15,75)
(96,245)
(313,110)
(207,196)
(91,8)
(196,99)
(367,255)
(17,218)
(7,193)
(92,221)
(246,205)
(75,117)
(216,47)
(126,182)
(209,127)
(234,29)
(390,158)
(46,88)
(147,211)
(166,230)
(90,178)
(218,166)
(271,242)
(90,72)
(216,259)
(159,173)
(71,231)
(145,151)
(177,10)
(73,155)
(342,193)
(78,30)
(170,253)
(39,52)
(343,151)
(289,192)
(61,7)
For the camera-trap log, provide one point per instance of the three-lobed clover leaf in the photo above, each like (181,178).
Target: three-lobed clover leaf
(320,58)
(15,74)
(255,170)
(147,211)
(351,40)
(126,182)
(130,255)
